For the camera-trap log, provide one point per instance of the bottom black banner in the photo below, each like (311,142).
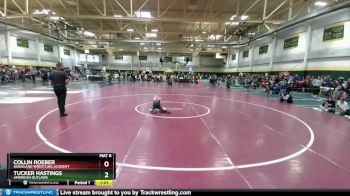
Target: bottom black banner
(140,192)
(135,192)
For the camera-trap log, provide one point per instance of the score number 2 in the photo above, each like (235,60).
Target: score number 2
(106,164)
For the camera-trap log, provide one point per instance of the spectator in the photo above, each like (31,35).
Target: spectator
(328,105)
(286,97)
(342,107)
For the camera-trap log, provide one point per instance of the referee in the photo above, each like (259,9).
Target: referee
(59,80)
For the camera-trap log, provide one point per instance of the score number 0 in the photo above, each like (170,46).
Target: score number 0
(106,164)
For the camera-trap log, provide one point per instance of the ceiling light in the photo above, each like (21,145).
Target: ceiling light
(142,44)
(137,38)
(46,11)
(233,17)
(219,56)
(158,44)
(145,48)
(232,23)
(143,14)
(86,51)
(198,40)
(55,18)
(154,30)
(130,30)
(192,45)
(244,17)
(320,3)
(151,35)
(89,34)
(204,32)
(43,11)
(120,49)
(159,48)
(117,16)
(215,37)
(251,34)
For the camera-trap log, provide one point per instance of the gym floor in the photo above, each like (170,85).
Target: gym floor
(214,138)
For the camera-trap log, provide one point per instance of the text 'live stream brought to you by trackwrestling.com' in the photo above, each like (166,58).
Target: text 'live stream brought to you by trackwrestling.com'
(103,192)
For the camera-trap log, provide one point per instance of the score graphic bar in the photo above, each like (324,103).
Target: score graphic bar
(58,168)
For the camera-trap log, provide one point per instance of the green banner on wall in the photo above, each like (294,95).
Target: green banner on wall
(48,48)
(291,42)
(245,54)
(66,52)
(333,33)
(179,54)
(21,42)
(118,57)
(263,49)
(233,57)
(143,58)
(168,59)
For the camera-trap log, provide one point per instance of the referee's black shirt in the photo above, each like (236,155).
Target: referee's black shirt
(58,78)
